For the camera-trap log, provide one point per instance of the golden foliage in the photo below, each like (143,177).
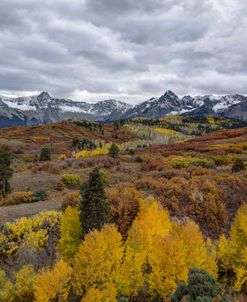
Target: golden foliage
(53,285)
(71,180)
(108,294)
(233,252)
(28,231)
(20,197)
(22,287)
(71,234)
(98,259)
(172,256)
(152,220)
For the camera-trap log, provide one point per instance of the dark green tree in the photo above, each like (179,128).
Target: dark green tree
(45,154)
(6,171)
(114,150)
(238,165)
(116,125)
(94,206)
(180,292)
(201,287)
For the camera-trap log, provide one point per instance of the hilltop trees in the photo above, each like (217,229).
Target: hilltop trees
(94,206)
(6,171)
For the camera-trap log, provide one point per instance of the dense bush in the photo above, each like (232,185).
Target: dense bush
(40,195)
(71,199)
(71,180)
(20,197)
(185,162)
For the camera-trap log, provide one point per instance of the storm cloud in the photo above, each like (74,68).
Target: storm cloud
(129,50)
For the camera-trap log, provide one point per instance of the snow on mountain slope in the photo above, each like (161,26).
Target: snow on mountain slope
(44,108)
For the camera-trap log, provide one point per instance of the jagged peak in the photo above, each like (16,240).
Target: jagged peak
(170,94)
(44,95)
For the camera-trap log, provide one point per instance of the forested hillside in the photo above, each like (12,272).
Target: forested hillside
(136,210)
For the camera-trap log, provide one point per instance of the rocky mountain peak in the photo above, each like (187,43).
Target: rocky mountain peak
(44,108)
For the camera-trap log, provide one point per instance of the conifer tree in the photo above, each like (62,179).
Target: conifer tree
(114,150)
(45,154)
(201,287)
(6,171)
(238,165)
(94,206)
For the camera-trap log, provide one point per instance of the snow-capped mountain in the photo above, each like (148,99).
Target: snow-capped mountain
(170,104)
(44,108)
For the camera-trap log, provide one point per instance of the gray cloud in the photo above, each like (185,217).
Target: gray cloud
(130,50)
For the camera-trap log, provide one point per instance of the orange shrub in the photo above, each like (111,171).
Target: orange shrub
(151,164)
(124,201)
(19,197)
(71,199)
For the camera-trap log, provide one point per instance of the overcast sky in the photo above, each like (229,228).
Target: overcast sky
(125,49)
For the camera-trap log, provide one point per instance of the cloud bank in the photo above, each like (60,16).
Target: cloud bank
(124,49)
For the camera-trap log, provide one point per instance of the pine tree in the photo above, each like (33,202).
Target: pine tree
(6,171)
(238,165)
(94,207)
(201,287)
(45,154)
(114,151)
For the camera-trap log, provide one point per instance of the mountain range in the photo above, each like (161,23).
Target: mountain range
(43,108)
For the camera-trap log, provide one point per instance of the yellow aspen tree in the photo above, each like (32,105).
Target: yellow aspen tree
(152,220)
(233,252)
(198,253)
(241,271)
(24,280)
(71,234)
(53,285)
(97,260)
(6,287)
(108,294)
(168,262)
(130,276)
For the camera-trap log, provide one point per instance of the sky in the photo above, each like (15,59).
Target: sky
(129,50)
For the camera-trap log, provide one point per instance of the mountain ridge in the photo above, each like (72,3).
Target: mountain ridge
(44,108)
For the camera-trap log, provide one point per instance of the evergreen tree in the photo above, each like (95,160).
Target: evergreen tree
(114,151)
(238,165)
(201,287)
(94,207)
(6,171)
(45,154)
